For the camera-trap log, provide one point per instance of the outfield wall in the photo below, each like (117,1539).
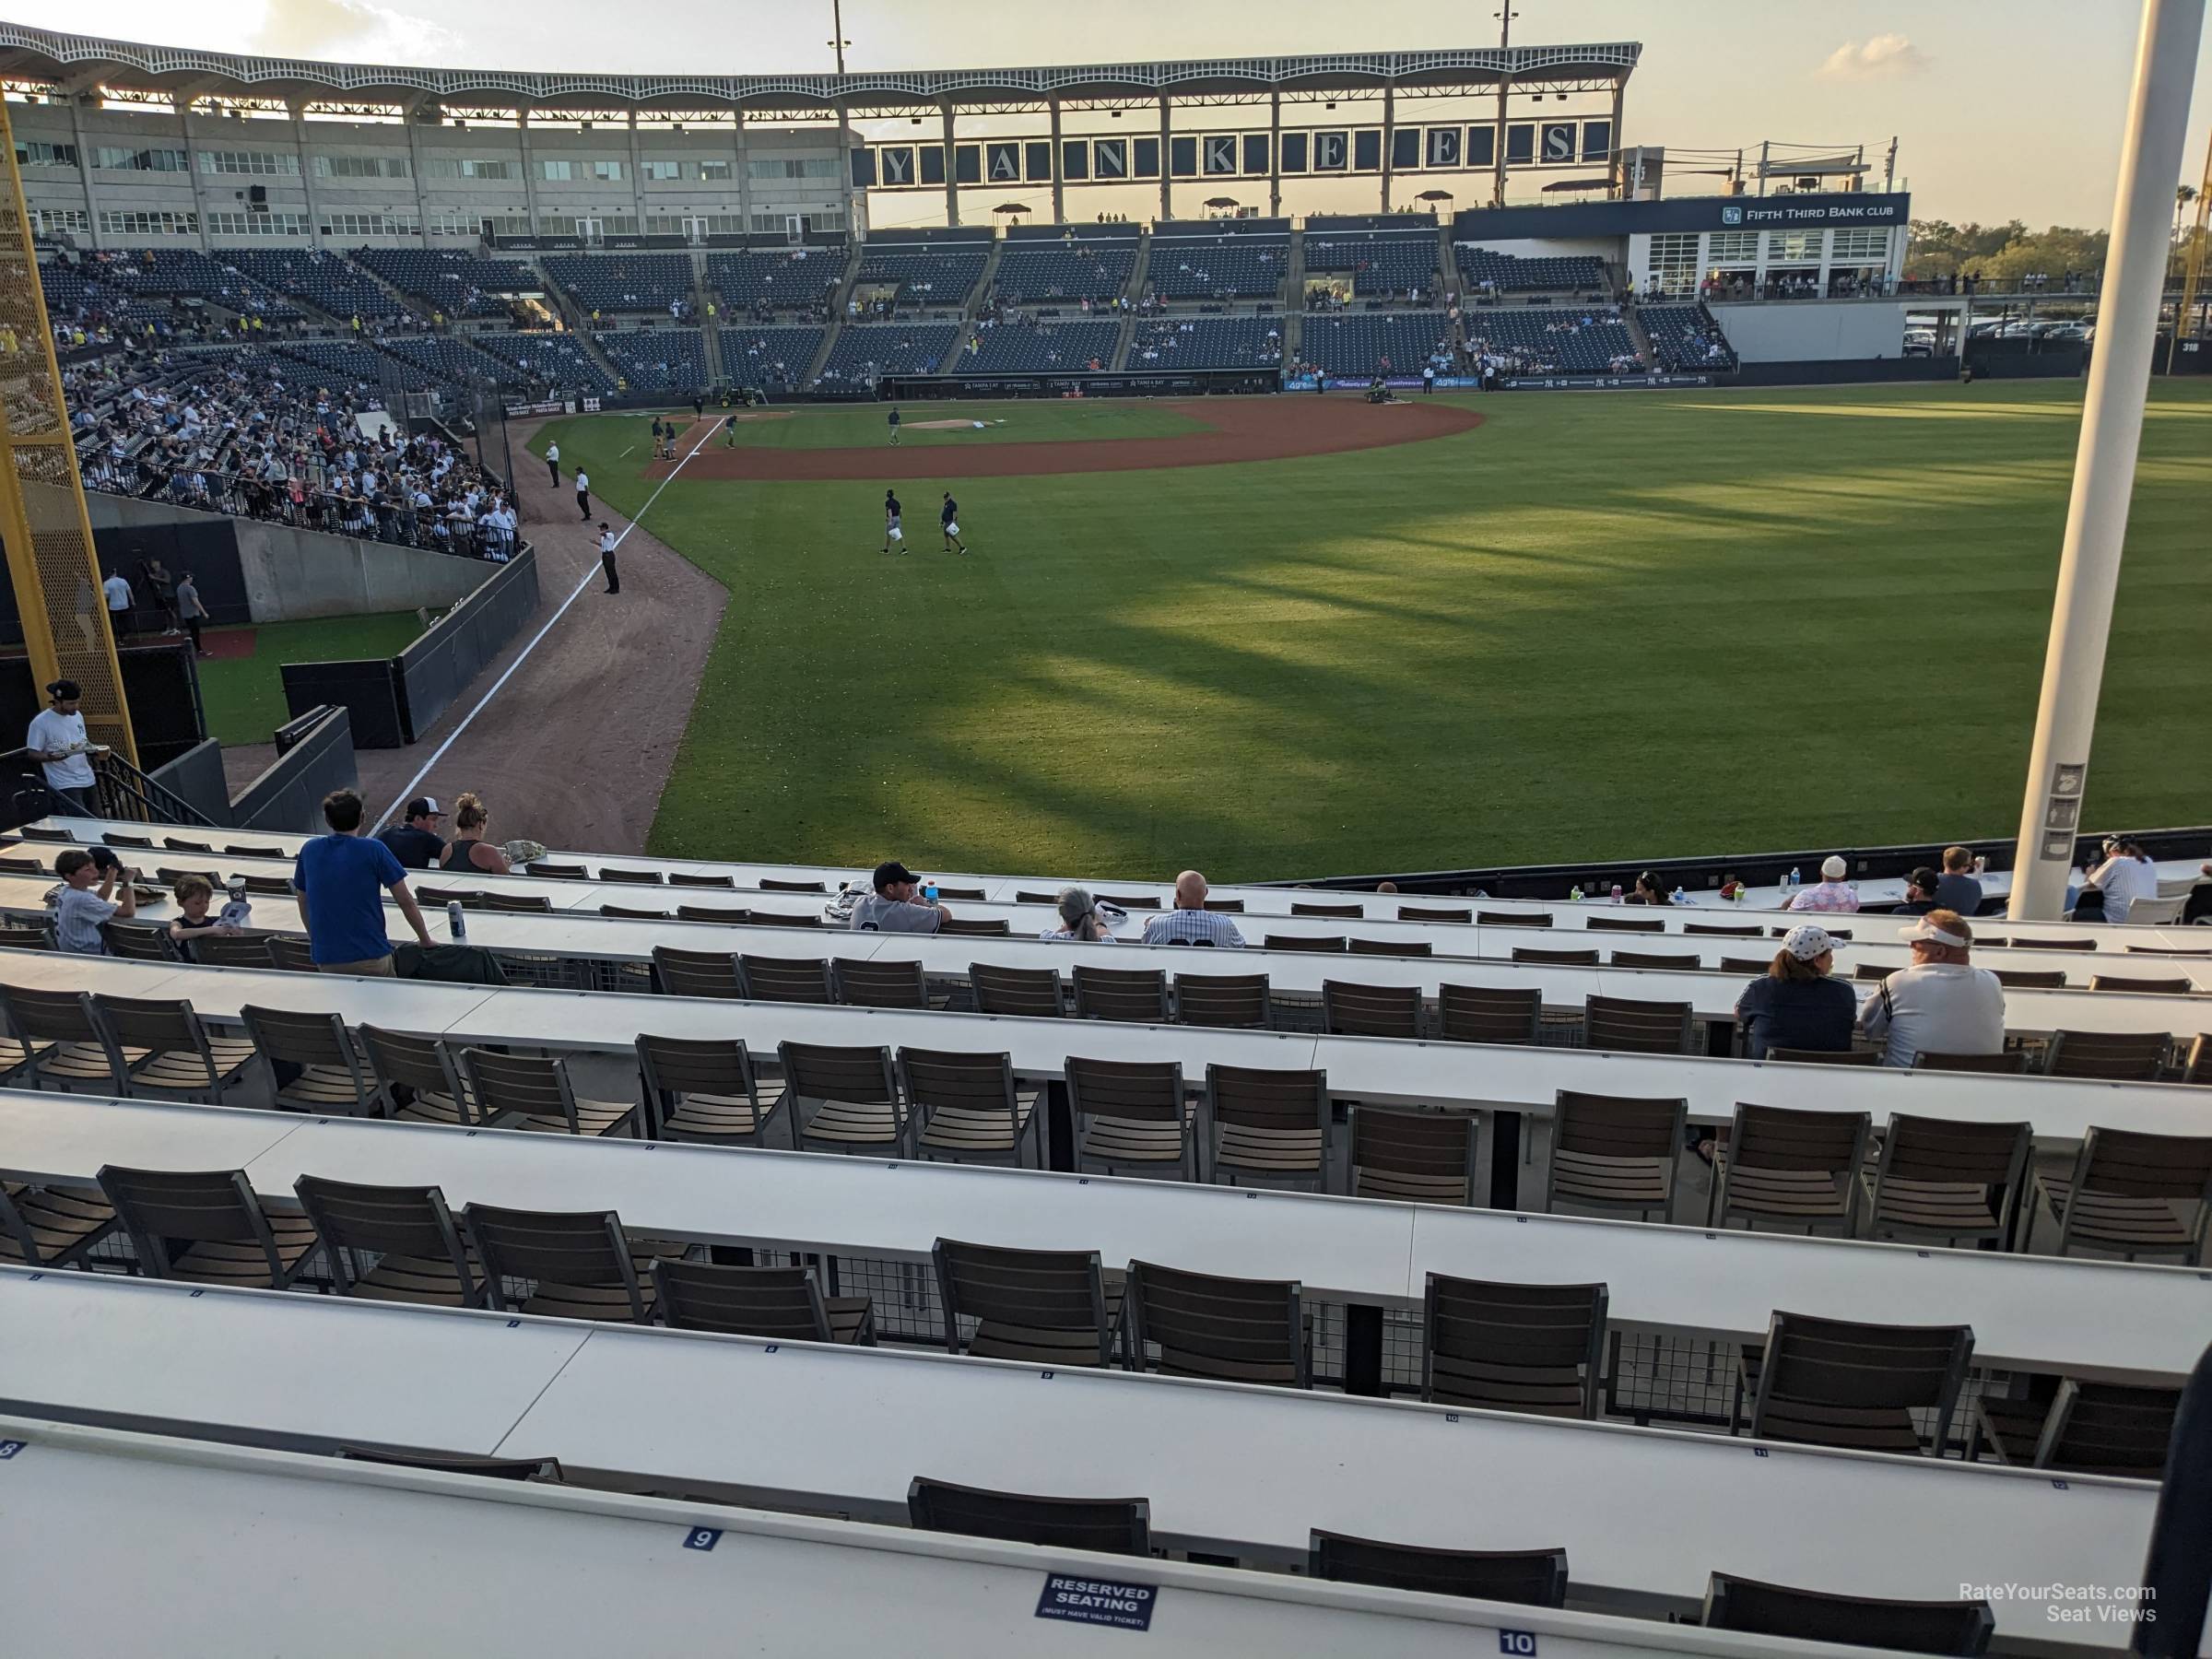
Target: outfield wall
(1774,331)
(281,574)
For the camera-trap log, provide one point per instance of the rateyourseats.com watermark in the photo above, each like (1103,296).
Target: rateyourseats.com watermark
(2074,1604)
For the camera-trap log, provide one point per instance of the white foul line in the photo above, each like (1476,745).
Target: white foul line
(408,794)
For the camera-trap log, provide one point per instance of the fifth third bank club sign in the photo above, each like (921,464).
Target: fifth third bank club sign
(1098,1601)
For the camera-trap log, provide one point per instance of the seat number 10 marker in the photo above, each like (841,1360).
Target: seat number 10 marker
(1516,1641)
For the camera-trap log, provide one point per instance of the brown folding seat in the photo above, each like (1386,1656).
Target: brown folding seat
(332,1076)
(2150,987)
(2115,1056)
(1269,1124)
(1128,901)
(1837,1382)
(877,984)
(2133,1194)
(704,1089)
(764,918)
(1435,912)
(1041,1307)
(1663,961)
(769,883)
(546,1471)
(1229,1330)
(579,1263)
(1961,1628)
(1513,918)
(1106,1525)
(418,1080)
(178,1059)
(1228,1001)
(858,1106)
(1355,911)
(140,942)
(1534,1349)
(1030,992)
(17,935)
(60,1040)
(1131,1117)
(1941,1179)
(1128,994)
(1350,1009)
(236,851)
(291,955)
(969,1109)
(1487,1013)
(1535,1578)
(782,1304)
(2023,979)
(1642,924)
(694,879)
(1713,930)
(206,1226)
(1559,958)
(554,870)
(237,950)
(1614,1153)
(974,927)
(1790,1169)
(634,877)
(697,973)
(2085,1428)
(1302,942)
(1631,1026)
(1391,947)
(51,1226)
(1754,965)
(1230,906)
(726,915)
(2021,944)
(389,1243)
(784,980)
(2011,1063)
(972,895)
(1416,1157)
(1825,1056)
(518,904)
(536,1090)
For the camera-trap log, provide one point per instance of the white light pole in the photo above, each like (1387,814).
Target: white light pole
(2104,464)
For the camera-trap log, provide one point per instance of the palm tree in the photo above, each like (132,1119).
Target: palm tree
(2182,196)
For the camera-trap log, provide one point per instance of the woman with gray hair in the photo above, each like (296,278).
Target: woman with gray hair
(1080,920)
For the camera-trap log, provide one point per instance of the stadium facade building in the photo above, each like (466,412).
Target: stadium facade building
(123,143)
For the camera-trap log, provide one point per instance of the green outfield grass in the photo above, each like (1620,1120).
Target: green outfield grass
(244,697)
(861,426)
(1597,626)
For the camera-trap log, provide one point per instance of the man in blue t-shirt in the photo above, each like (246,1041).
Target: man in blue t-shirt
(340,878)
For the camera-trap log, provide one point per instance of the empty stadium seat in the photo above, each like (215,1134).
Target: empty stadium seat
(609,283)
(778,279)
(1384,263)
(1185,342)
(452,285)
(1245,266)
(865,353)
(1360,343)
(769,359)
(1038,345)
(657,359)
(1510,274)
(1567,340)
(1073,270)
(556,360)
(326,281)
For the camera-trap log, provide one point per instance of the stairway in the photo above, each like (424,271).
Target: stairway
(1292,293)
(1649,357)
(986,282)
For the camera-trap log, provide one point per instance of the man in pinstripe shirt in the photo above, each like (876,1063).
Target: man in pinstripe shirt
(1190,923)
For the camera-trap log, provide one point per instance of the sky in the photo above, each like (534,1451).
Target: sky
(1999,113)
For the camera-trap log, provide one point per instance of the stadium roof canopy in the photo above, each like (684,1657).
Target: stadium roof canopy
(86,61)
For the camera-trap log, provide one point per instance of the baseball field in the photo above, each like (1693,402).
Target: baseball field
(1297,635)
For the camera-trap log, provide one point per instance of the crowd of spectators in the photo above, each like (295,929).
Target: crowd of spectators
(254,435)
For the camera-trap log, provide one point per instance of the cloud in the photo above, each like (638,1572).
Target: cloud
(1880,57)
(349,29)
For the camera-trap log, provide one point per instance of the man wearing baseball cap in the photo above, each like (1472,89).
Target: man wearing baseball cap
(1940,1005)
(896,905)
(1831,892)
(417,844)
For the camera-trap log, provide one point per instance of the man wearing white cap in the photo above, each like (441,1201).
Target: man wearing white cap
(1831,892)
(1940,1005)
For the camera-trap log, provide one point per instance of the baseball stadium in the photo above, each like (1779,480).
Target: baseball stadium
(768,618)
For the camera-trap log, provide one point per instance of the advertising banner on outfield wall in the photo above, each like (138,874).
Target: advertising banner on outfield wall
(1599,383)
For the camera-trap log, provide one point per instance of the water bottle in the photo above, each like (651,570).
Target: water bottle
(1616,893)
(1796,879)
(930,892)
(1677,895)
(456,924)
(1575,893)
